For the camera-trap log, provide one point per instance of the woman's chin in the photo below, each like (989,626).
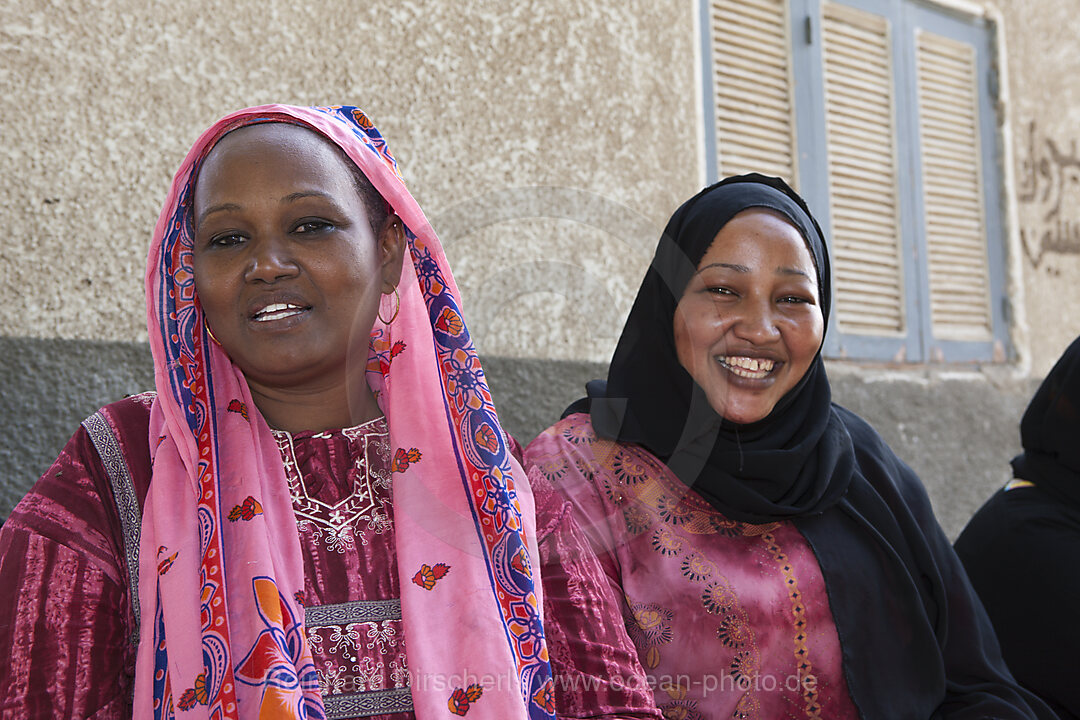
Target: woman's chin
(742,413)
(287,372)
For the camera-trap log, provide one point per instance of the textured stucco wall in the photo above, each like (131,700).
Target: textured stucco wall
(480,101)
(548,143)
(102,98)
(1043,68)
(49,387)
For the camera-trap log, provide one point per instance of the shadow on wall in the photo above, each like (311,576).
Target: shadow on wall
(49,386)
(958,433)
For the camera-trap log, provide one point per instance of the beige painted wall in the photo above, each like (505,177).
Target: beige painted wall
(548,142)
(595,103)
(100,99)
(1043,57)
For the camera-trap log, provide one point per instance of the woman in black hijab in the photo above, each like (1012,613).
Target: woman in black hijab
(776,558)
(1021,546)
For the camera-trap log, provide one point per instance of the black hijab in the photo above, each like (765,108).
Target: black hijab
(795,462)
(1050,432)
(915,642)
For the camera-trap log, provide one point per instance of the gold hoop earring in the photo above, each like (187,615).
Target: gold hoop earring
(397,308)
(211,333)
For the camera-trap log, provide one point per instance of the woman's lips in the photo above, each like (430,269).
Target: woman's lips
(747,367)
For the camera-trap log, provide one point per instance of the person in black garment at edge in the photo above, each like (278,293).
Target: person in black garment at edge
(1020,548)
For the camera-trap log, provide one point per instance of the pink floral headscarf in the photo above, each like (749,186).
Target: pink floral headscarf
(221,568)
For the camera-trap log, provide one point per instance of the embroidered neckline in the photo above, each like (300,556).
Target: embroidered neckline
(375,425)
(337,525)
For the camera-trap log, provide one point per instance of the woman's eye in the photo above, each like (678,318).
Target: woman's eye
(226,240)
(310,226)
(721,291)
(794,299)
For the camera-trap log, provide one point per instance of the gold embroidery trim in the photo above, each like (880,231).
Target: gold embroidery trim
(798,611)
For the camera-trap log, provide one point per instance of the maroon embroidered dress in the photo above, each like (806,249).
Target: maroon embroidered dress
(67,564)
(730,619)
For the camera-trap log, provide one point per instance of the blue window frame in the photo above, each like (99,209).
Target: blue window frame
(883,114)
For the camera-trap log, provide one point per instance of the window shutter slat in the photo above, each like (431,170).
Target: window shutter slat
(955,234)
(862,172)
(755,129)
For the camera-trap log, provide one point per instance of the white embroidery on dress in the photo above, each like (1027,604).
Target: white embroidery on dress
(331,680)
(382,634)
(344,638)
(399,672)
(146,399)
(379,522)
(368,674)
(336,525)
(308,527)
(361,644)
(314,640)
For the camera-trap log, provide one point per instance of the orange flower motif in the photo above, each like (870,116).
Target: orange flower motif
(403,458)
(384,355)
(486,438)
(197,694)
(520,562)
(545,697)
(460,700)
(428,575)
(165,565)
(238,407)
(449,322)
(361,119)
(246,510)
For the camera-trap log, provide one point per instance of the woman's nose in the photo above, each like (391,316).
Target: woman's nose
(271,260)
(757,322)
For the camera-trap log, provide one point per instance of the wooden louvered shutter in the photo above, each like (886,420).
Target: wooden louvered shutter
(862,172)
(752,87)
(952,191)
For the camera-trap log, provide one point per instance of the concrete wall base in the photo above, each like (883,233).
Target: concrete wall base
(958,431)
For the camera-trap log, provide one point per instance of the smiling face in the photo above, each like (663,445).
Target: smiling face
(287,267)
(749,324)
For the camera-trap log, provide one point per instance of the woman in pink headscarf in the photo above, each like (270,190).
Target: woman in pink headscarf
(318,513)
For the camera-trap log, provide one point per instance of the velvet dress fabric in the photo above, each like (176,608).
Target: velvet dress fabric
(914,639)
(68,616)
(730,619)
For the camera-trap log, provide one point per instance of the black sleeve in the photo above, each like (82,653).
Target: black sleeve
(1019,551)
(977,683)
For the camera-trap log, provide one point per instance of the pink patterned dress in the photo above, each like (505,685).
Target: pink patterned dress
(730,620)
(67,566)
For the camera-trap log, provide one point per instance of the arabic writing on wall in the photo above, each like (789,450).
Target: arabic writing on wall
(1049,178)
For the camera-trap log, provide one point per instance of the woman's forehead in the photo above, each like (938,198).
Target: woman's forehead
(286,149)
(758,229)
(773,223)
(263,137)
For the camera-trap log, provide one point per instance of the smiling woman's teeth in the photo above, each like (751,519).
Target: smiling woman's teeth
(747,367)
(277,311)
